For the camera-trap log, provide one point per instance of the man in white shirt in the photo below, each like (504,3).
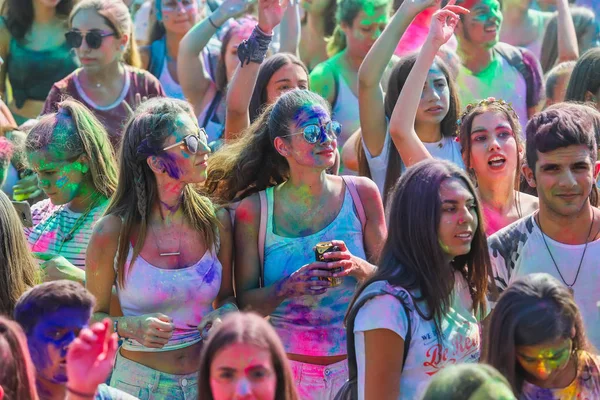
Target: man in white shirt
(563,237)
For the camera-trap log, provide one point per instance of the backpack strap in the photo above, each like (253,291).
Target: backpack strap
(158,51)
(528,66)
(262,233)
(360,209)
(350,343)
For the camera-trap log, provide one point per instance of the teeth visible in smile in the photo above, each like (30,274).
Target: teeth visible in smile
(464,235)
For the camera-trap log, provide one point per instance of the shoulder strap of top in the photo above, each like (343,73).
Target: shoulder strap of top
(351,184)
(262,233)
(158,50)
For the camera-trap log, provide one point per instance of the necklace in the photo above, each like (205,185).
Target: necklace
(587,240)
(167,254)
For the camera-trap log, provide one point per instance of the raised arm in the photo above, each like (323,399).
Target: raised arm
(402,122)
(239,94)
(370,94)
(193,77)
(290,30)
(568,48)
(4,44)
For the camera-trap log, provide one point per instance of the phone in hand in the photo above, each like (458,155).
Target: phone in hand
(24,212)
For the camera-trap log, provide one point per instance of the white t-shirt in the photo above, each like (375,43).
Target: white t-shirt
(499,80)
(461,337)
(446,149)
(519,249)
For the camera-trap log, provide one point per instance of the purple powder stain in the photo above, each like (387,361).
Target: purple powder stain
(309,112)
(210,276)
(170,164)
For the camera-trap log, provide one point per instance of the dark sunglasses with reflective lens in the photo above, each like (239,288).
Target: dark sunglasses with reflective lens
(315,133)
(191,142)
(93,38)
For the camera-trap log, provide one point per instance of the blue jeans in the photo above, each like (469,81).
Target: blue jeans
(319,382)
(146,383)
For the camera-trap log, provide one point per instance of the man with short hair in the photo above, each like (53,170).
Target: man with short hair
(52,315)
(492,69)
(563,237)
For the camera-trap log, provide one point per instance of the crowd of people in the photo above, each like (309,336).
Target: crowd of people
(283,200)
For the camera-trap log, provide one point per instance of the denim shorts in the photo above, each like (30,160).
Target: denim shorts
(146,383)
(319,382)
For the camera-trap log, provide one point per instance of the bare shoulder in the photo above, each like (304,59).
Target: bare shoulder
(108,226)
(367,189)
(224,219)
(248,212)
(529,204)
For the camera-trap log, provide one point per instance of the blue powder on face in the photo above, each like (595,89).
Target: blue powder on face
(310,112)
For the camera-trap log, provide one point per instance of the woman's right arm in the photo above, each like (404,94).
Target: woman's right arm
(568,48)
(370,94)
(151,330)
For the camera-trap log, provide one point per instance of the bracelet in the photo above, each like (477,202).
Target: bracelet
(212,23)
(81,394)
(254,49)
(116,327)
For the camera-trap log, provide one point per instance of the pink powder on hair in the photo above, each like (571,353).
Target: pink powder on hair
(6,149)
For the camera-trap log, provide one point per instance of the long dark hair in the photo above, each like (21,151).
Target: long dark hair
(267,69)
(249,329)
(412,257)
(251,163)
(17,375)
(585,77)
(18,15)
(241,25)
(396,82)
(328,15)
(535,309)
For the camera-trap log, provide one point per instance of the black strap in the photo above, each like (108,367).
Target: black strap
(351,350)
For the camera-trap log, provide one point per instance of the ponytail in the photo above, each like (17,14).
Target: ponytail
(131,56)
(337,42)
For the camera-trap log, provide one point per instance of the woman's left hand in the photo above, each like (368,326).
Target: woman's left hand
(350,265)
(214,318)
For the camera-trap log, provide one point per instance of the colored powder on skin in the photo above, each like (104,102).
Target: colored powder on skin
(170,165)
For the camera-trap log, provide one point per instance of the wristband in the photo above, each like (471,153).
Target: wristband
(254,49)
(116,327)
(212,23)
(81,394)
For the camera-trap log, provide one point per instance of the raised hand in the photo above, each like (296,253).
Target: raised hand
(443,23)
(270,13)
(233,8)
(414,7)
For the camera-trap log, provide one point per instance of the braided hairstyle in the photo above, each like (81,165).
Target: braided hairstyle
(145,135)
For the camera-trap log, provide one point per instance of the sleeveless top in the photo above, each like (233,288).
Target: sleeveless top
(32,73)
(172,89)
(345,111)
(185,295)
(312,325)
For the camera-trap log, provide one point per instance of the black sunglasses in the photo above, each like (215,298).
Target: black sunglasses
(192,142)
(93,39)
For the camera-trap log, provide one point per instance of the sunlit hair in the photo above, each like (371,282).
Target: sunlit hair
(467,382)
(116,15)
(533,310)
(584,20)
(17,372)
(152,123)
(562,125)
(19,15)
(585,77)
(251,163)
(265,73)
(554,74)
(240,27)
(412,257)
(396,83)
(328,16)
(74,131)
(18,269)
(49,297)
(346,12)
(253,330)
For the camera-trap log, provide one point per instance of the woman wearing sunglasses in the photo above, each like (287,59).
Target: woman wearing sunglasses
(32,44)
(109,82)
(284,156)
(168,250)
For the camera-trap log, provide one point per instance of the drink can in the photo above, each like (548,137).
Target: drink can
(320,250)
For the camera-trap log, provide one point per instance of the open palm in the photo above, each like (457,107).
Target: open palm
(443,23)
(270,13)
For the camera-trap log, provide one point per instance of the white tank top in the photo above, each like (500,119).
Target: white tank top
(172,89)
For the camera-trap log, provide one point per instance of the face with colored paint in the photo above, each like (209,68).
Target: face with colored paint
(298,151)
(110,51)
(178,16)
(50,338)
(546,361)
(494,149)
(563,179)
(61,177)
(482,25)
(243,371)
(180,163)
(231,59)
(366,27)
(290,76)
(458,221)
(435,98)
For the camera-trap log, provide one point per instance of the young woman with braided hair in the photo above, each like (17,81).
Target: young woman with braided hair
(167,249)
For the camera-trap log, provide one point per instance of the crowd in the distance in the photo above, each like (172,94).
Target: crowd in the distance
(282,200)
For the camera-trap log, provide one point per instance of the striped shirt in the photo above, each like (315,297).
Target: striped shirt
(51,227)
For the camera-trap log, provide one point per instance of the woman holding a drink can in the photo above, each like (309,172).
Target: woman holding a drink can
(307,215)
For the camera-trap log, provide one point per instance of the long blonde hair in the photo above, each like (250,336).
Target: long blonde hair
(18,269)
(73,130)
(145,134)
(117,16)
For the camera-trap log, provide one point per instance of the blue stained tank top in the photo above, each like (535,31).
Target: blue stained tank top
(32,73)
(312,325)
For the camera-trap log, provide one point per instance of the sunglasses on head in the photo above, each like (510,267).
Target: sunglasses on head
(191,142)
(93,38)
(318,133)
